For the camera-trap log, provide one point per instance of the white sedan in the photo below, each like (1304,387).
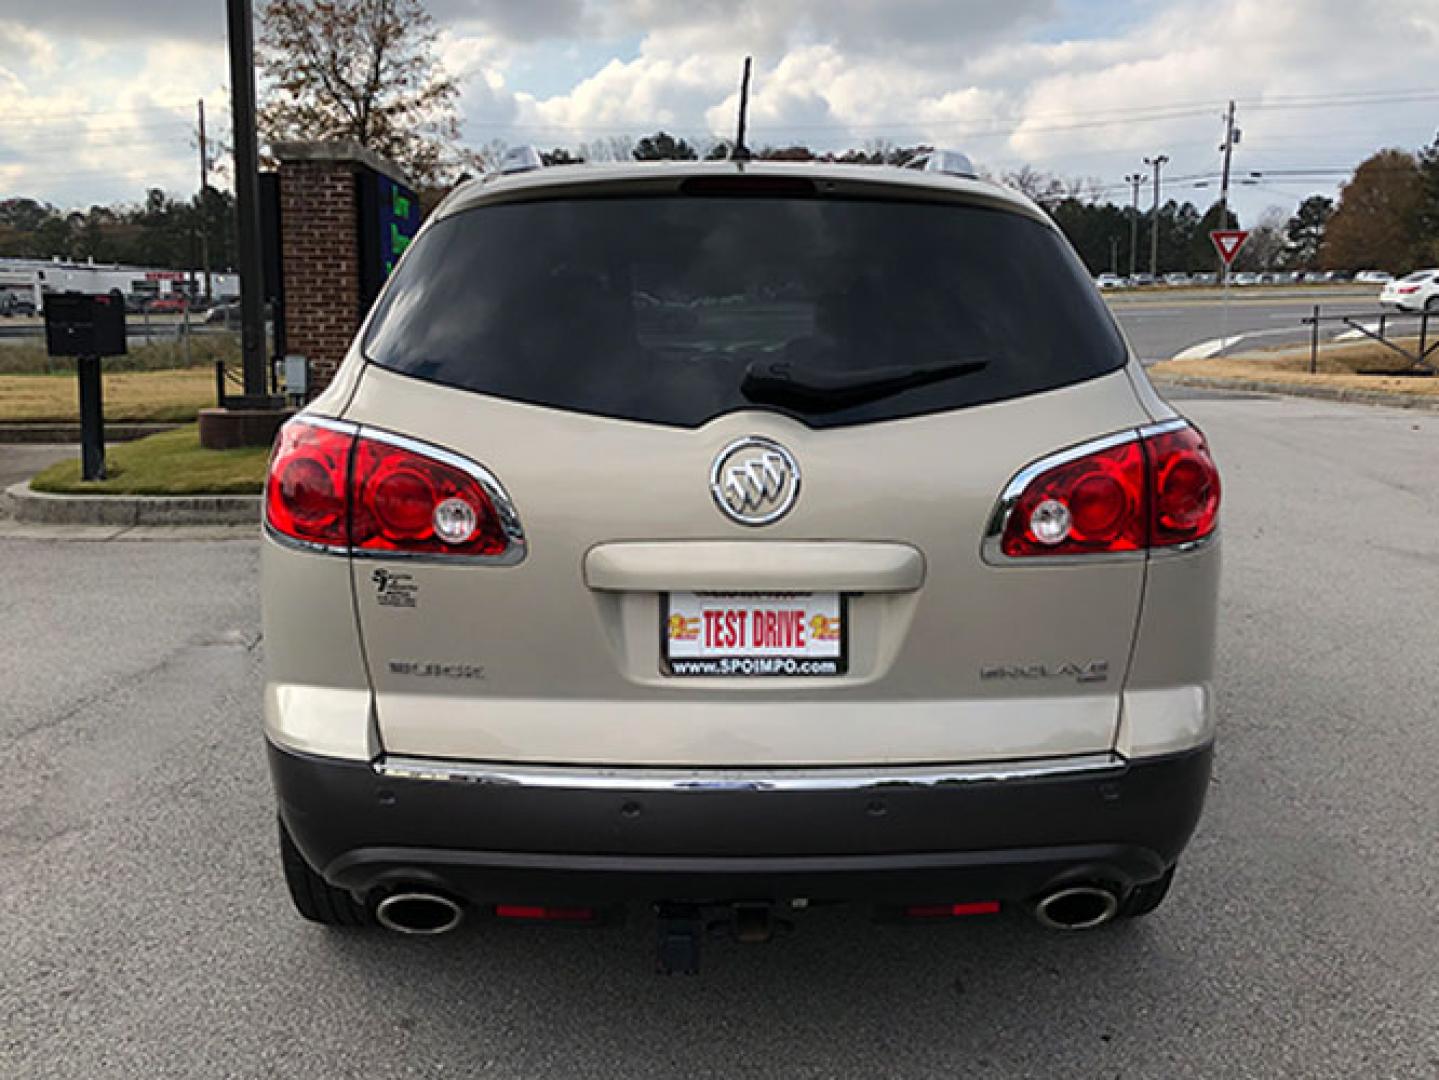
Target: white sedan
(1417,292)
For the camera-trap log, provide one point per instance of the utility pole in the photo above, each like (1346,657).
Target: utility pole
(1134,180)
(1231,139)
(1156,163)
(241,28)
(1114,254)
(204,202)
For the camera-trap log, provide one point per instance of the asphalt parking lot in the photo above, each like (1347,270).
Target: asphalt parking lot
(146,931)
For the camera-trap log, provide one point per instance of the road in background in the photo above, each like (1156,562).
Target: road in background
(1162,324)
(147,932)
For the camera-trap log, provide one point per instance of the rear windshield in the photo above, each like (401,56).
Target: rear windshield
(653,308)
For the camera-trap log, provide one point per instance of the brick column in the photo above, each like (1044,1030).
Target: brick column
(320,248)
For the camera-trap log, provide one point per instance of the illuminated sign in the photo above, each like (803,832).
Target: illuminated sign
(399,221)
(390,217)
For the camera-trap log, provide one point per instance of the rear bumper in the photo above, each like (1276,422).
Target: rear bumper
(489,837)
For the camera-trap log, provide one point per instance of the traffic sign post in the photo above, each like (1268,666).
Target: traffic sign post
(1227,242)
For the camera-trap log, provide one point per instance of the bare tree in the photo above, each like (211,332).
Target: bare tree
(1265,248)
(489,156)
(362,70)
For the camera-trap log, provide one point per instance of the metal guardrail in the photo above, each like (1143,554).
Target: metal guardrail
(1357,320)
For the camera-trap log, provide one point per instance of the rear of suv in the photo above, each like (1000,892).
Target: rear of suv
(737,537)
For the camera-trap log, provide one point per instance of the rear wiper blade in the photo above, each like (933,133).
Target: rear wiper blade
(782,383)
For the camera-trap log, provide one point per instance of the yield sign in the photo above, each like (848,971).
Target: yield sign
(1228,242)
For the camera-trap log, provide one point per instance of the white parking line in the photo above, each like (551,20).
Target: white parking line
(1206,349)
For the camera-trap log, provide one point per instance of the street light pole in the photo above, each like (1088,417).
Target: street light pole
(1134,180)
(1156,163)
(247,182)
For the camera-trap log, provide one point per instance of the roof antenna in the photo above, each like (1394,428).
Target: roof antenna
(741,152)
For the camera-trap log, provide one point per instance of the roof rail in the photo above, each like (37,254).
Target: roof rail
(520,159)
(949,162)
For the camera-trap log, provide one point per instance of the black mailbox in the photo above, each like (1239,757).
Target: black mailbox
(78,324)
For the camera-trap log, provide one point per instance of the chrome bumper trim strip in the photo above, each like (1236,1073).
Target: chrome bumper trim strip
(606,778)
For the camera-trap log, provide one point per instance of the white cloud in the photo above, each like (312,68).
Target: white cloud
(92,123)
(20,45)
(1036,81)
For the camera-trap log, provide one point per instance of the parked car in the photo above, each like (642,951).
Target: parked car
(1373,277)
(12,306)
(1111,281)
(1177,279)
(223,314)
(551,622)
(1244,278)
(1139,280)
(1206,278)
(168,305)
(1417,292)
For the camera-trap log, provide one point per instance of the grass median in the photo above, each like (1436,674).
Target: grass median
(1362,365)
(171,463)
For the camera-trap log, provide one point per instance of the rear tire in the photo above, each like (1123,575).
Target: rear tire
(314,897)
(1144,899)
(1432,304)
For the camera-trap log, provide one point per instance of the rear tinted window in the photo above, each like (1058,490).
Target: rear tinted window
(653,308)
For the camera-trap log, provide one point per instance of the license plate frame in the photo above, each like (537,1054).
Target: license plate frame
(767,666)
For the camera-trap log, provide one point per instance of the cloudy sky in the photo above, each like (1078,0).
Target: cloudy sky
(97,97)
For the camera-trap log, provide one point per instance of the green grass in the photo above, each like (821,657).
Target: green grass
(172,463)
(128,395)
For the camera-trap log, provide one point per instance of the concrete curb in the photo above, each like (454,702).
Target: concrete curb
(18,432)
(1341,394)
(128,511)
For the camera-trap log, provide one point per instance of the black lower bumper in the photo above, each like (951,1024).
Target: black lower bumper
(1004,839)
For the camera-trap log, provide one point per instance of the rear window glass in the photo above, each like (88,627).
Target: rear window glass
(653,308)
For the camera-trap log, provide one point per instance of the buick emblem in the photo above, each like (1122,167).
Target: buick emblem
(755,481)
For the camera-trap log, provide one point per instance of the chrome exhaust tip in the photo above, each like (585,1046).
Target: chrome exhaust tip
(419,913)
(1077,907)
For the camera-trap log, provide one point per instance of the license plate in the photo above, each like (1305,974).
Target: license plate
(754,634)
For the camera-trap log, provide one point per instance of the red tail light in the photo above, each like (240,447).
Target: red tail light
(305,495)
(1184,487)
(1153,488)
(350,489)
